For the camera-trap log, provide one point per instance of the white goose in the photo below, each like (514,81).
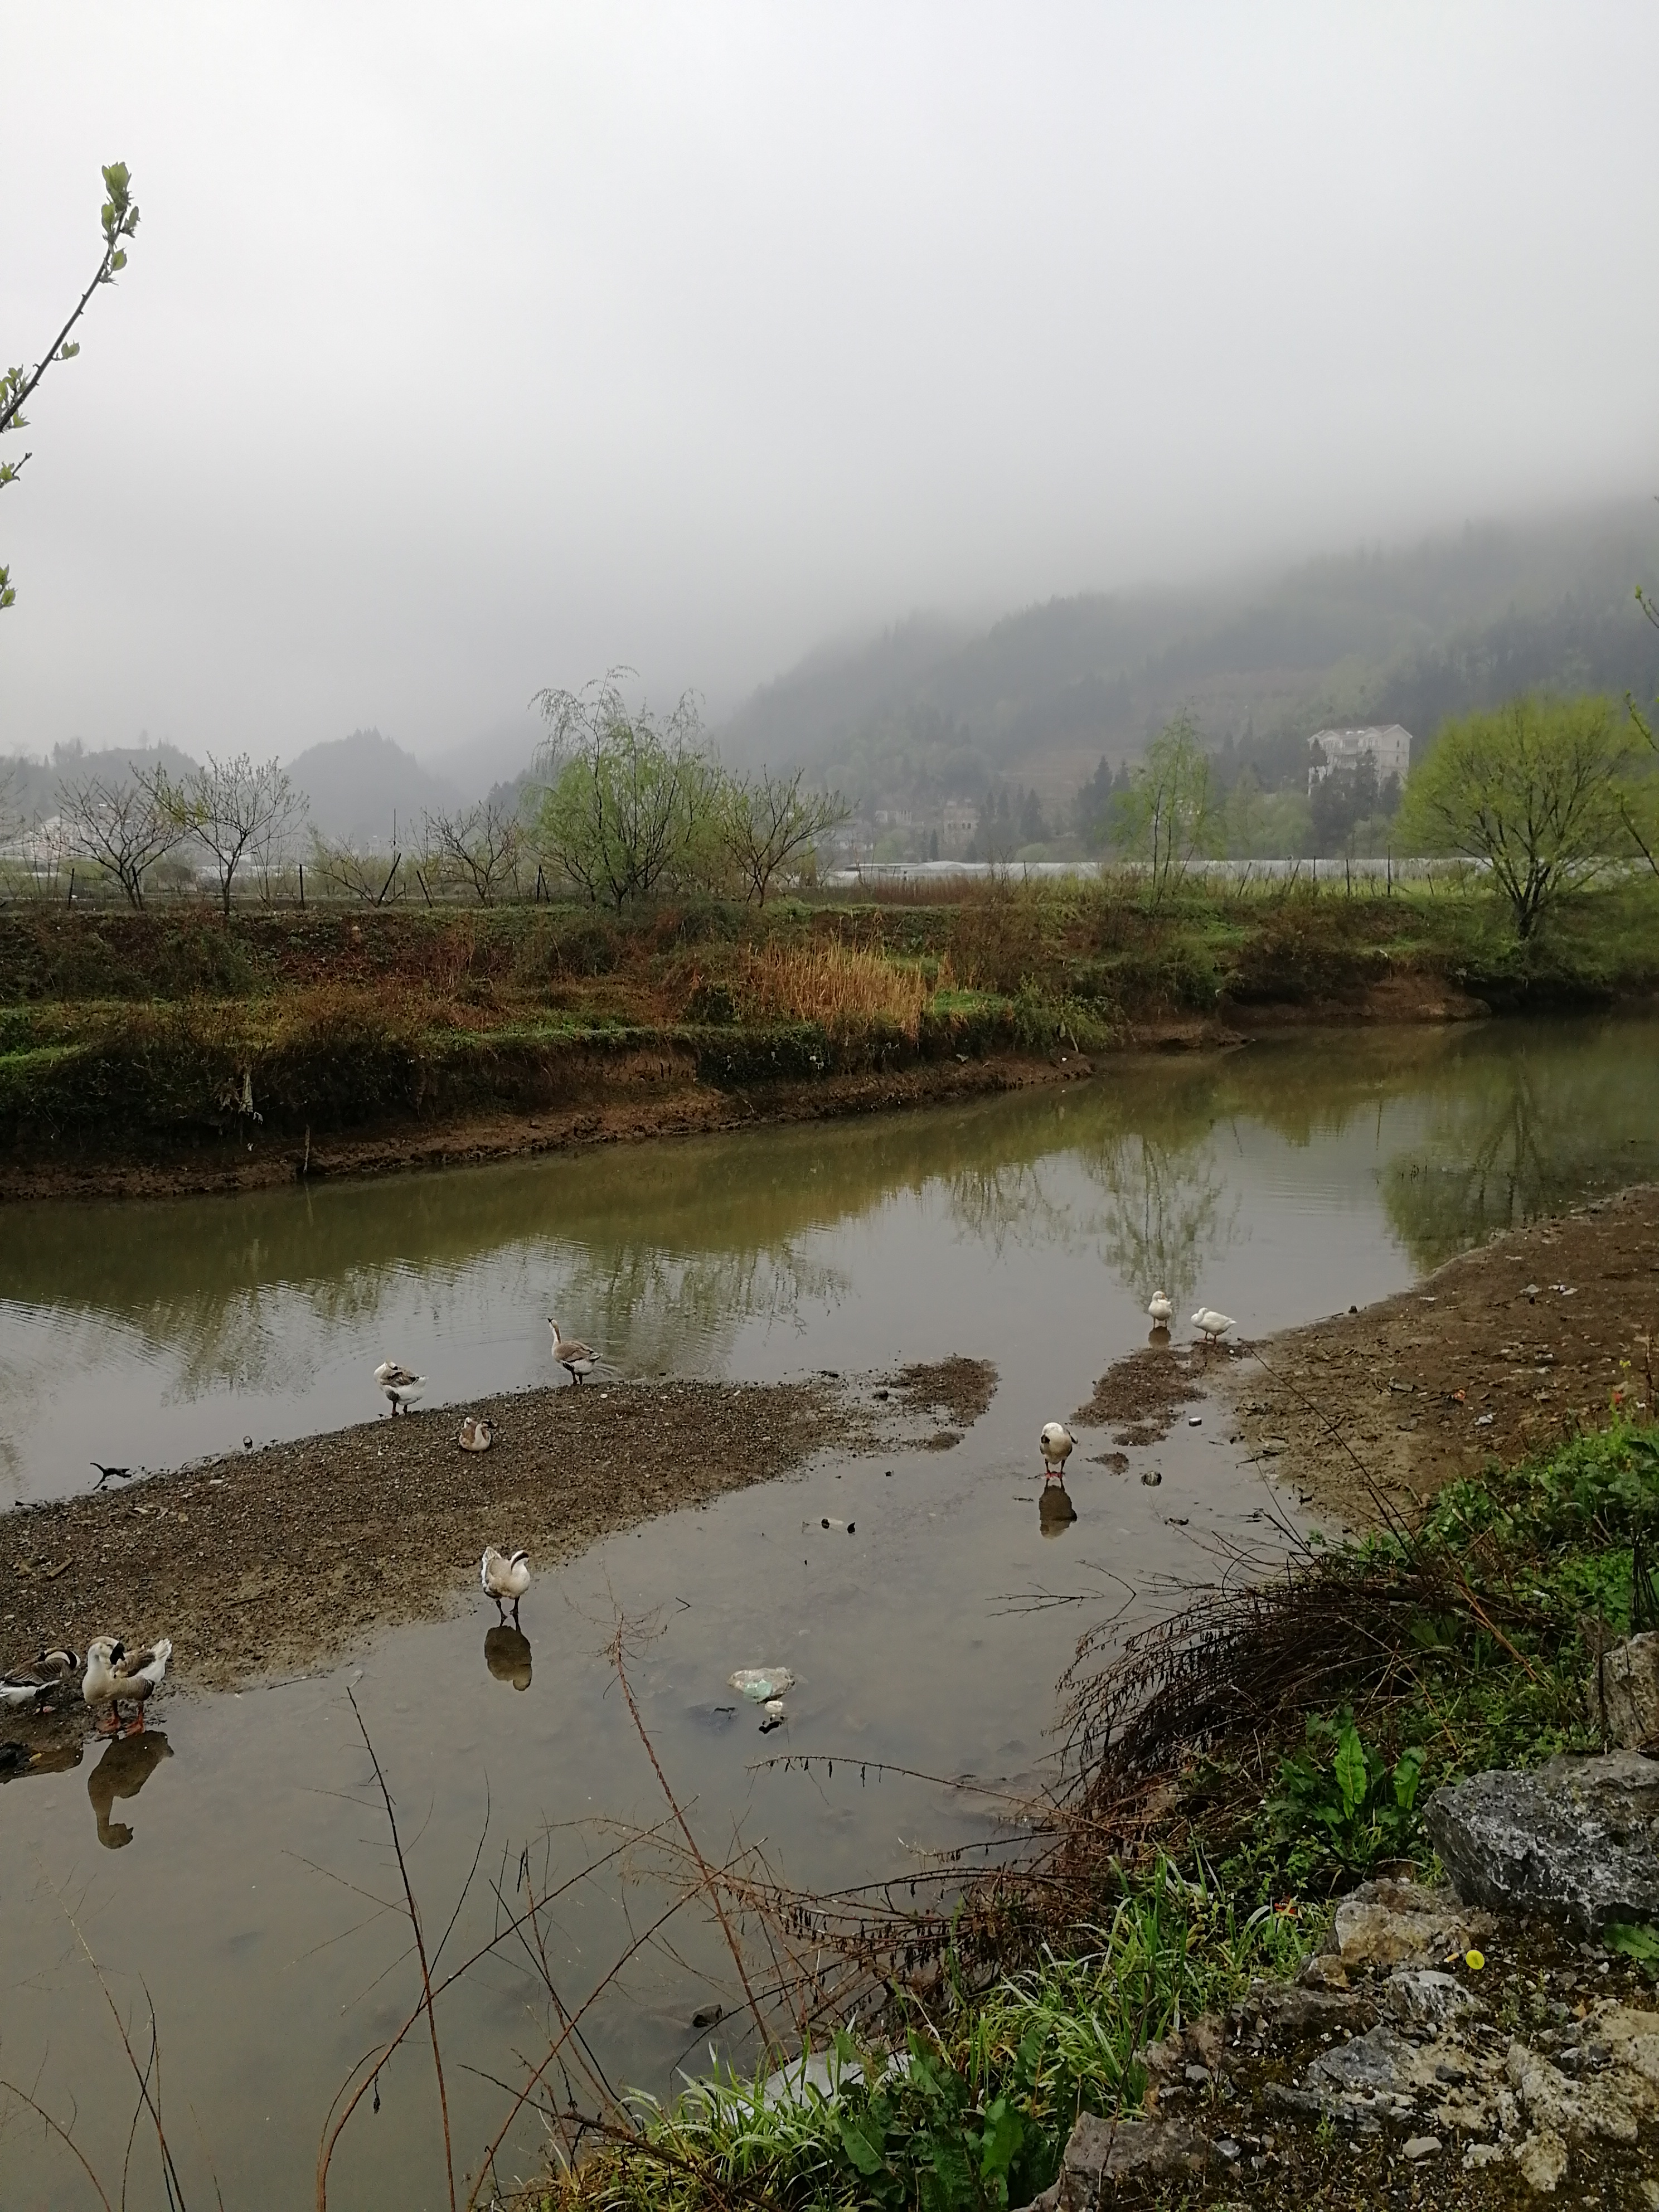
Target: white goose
(476,1434)
(1160,1309)
(1056,1441)
(401,1385)
(1211,1325)
(576,1357)
(505,1576)
(115,1677)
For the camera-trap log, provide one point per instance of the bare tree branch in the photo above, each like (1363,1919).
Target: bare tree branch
(119,824)
(482,846)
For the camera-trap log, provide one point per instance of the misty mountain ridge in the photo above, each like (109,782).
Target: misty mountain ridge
(365,790)
(1451,624)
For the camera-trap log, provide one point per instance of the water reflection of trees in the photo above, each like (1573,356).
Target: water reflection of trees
(663,1252)
(1166,1212)
(1518,1139)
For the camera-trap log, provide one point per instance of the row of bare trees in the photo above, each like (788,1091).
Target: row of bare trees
(239,811)
(623,806)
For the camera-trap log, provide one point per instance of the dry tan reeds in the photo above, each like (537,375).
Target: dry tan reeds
(841,986)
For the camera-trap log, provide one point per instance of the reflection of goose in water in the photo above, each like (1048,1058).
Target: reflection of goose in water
(126,1766)
(115,1677)
(1055,1511)
(1162,1313)
(576,1357)
(505,1576)
(1056,1441)
(507,1655)
(401,1385)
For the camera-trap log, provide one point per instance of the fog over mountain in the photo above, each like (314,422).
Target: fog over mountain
(462,352)
(1412,635)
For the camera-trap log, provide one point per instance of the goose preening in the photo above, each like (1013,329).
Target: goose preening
(401,1385)
(475,1435)
(505,1576)
(116,1677)
(22,1689)
(1160,1309)
(1211,1325)
(1056,1441)
(572,1354)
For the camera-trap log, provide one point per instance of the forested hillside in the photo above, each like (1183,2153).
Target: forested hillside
(1408,636)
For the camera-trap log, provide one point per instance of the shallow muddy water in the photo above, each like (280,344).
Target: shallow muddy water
(223,1868)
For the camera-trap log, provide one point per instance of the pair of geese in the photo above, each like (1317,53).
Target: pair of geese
(402,1386)
(114,1677)
(1057,1440)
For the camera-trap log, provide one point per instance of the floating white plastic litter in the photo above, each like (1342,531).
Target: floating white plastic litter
(762,1683)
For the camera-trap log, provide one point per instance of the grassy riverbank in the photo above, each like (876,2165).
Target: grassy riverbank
(172,1035)
(1235,1770)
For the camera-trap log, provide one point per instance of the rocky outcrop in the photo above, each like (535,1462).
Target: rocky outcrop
(1489,2078)
(1577,1836)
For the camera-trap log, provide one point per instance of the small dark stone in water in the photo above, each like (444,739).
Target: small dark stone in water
(1353,1310)
(1151,1478)
(247,1444)
(708,2016)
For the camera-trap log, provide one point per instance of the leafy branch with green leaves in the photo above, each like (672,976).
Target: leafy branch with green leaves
(120,217)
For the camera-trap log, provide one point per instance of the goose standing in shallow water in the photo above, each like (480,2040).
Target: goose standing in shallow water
(401,1385)
(505,1576)
(1056,1441)
(1161,1310)
(115,1677)
(1211,1325)
(577,1358)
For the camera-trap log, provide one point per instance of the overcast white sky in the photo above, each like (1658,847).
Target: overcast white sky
(467,350)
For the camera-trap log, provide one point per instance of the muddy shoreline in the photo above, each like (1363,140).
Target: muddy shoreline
(1497,1355)
(292,1555)
(280,1557)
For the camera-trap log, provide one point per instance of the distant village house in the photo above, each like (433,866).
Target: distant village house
(1386,744)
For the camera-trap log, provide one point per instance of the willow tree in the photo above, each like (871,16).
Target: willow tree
(120,217)
(629,799)
(1538,790)
(1167,818)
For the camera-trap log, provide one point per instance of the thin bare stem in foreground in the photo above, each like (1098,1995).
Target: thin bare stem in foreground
(426,1976)
(616,1656)
(61,2132)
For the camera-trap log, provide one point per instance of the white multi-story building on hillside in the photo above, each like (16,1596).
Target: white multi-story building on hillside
(1387,744)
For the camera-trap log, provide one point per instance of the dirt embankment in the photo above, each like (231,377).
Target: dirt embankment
(688,1108)
(1498,1353)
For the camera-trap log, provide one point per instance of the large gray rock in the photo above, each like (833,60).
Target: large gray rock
(1577,1836)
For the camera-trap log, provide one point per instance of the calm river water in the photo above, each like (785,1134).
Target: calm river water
(236,1872)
